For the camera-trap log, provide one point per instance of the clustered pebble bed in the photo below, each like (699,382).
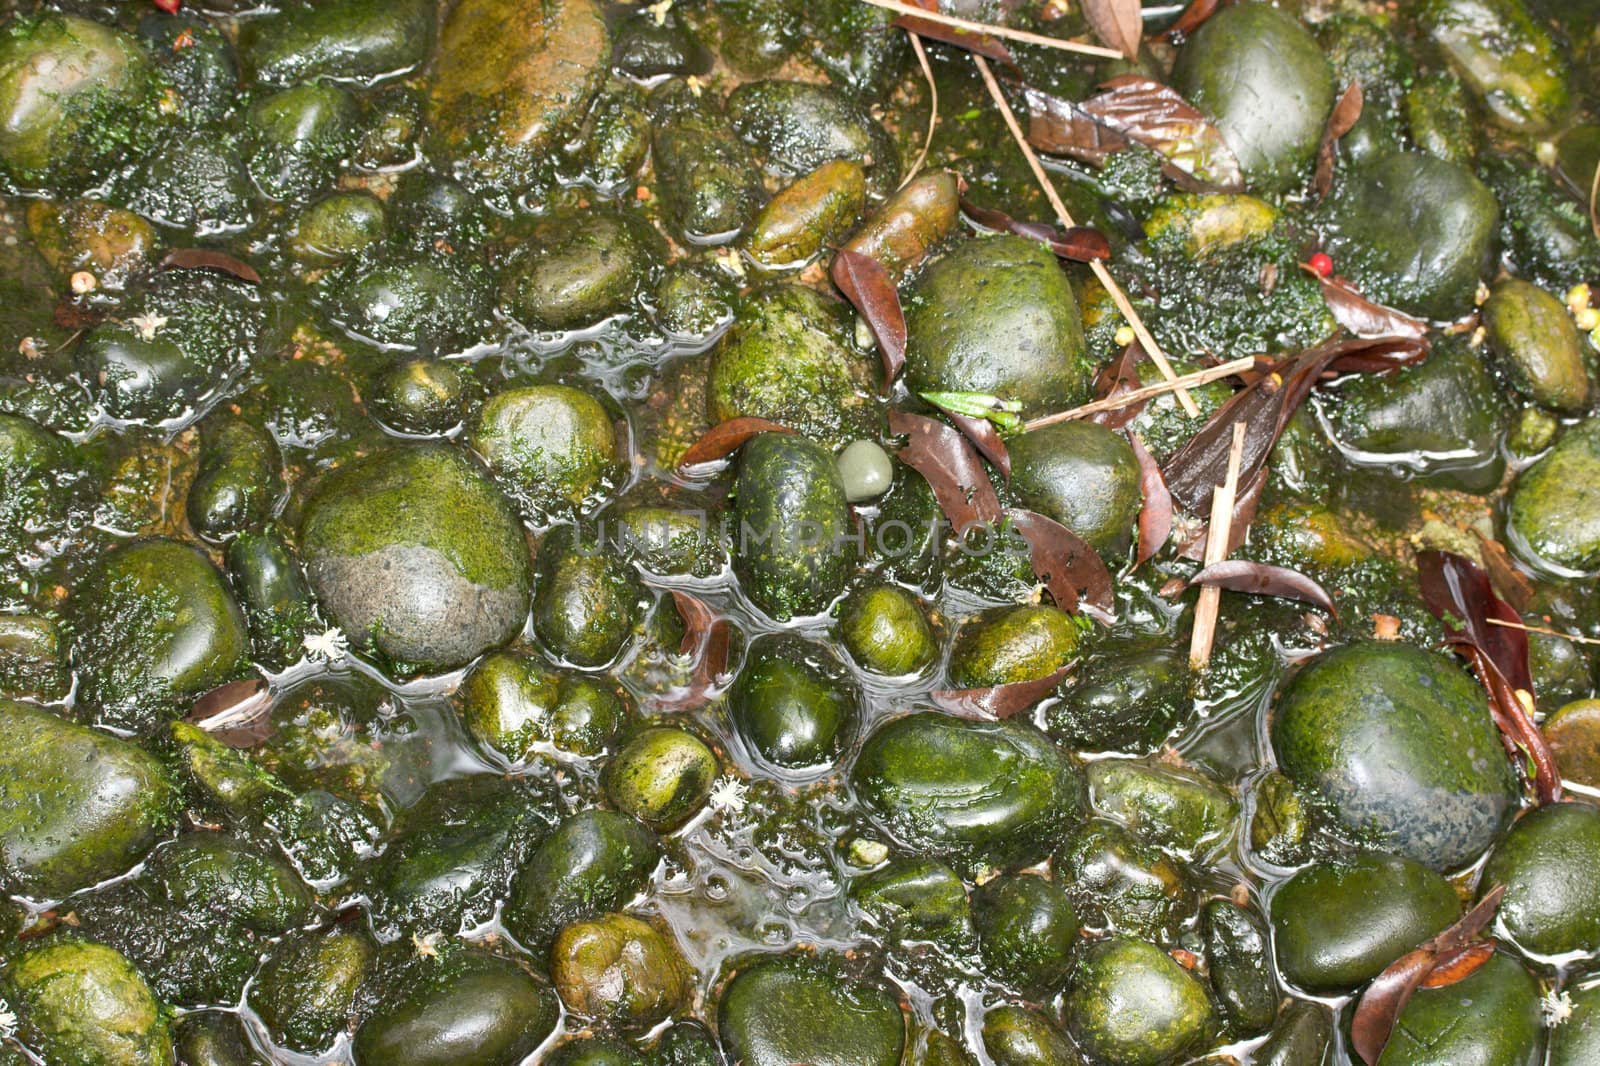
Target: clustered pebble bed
(532,531)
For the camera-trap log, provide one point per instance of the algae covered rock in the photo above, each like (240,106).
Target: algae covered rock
(417,556)
(784,1010)
(80,1002)
(1553,515)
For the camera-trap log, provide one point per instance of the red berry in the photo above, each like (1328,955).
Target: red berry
(1322,264)
(169,6)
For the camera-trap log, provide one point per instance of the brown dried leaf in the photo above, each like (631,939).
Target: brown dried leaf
(725,438)
(1118,23)
(950,466)
(983,44)
(1080,244)
(1155,515)
(1380,1005)
(1263,579)
(1245,502)
(1459,965)
(70,314)
(1265,407)
(239,714)
(210,259)
(1069,568)
(985,436)
(707,641)
(1119,376)
(1364,318)
(1340,122)
(1509,581)
(1139,109)
(868,287)
(997,701)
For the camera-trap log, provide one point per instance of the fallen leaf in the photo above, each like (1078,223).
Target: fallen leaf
(868,287)
(1155,514)
(1117,377)
(1508,579)
(1459,965)
(1067,566)
(707,642)
(1340,122)
(997,701)
(1080,244)
(72,315)
(1134,108)
(1381,1004)
(210,259)
(1193,17)
(985,436)
(1245,502)
(1263,579)
(1118,23)
(239,713)
(1265,406)
(725,438)
(1364,318)
(951,467)
(983,44)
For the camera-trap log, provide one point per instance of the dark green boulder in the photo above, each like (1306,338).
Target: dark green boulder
(1490,1018)
(790,549)
(1549,863)
(1553,514)
(786,1010)
(792,703)
(1084,476)
(1130,1004)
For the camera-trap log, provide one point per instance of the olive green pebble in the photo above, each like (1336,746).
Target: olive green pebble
(1489,1018)
(1131,1004)
(865,469)
(617,968)
(1573,733)
(421,397)
(662,777)
(919,897)
(1007,644)
(337,227)
(1339,924)
(304,991)
(512,702)
(553,444)
(591,863)
(884,629)
(79,1002)
(785,1010)
(792,703)
(587,600)
(1533,335)
(1549,863)
(1553,517)
(1017,1036)
(1084,476)
(1028,930)
(1576,1041)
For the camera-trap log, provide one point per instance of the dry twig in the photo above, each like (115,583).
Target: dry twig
(1127,399)
(1205,611)
(996,31)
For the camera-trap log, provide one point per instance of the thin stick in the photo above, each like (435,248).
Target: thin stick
(1217,538)
(1594,197)
(1127,399)
(1544,630)
(933,107)
(1118,297)
(997,31)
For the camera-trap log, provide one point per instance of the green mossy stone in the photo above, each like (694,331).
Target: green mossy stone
(1084,476)
(1130,1004)
(574,268)
(1117,881)
(787,1010)
(1301,1037)
(420,397)
(1398,742)
(239,479)
(76,98)
(513,703)
(417,556)
(32,658)
(789,359)
(83,1004)
(111,243)
(800,125)
(588,601)
(662,777)
(919,897)
(508,79)
(1533,335)
(1239,957)
(1261,77)
(159,627)
(1434,106)
(1506,56)
(919,215)
(791,555)
(1490,1018)
(1576,1041)
(423,301)
(360,41)
(297,138)
(997,315)
(218,873)
(793,703)
(884,629)
(337,227)
(1550,865)
(1413,231)
(972,793)
(622,970)
(304,992)
(1553,512)
(1573,733)
(594,862)
(195,182)
(707,177)
(1028,930)
(1337,925)
(274,595)
(1444,419)
(76,806)
(1008,644)
(554,445)
(1178,808)
(811,214)
(1017,1036)
(1125,699)
(213,1038)
(1544,229)
(466,1007)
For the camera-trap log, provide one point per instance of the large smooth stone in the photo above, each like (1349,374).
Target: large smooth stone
(784,1011)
